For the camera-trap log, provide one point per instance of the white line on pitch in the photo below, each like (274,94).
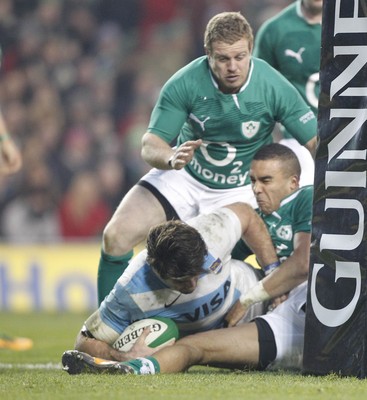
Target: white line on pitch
(31,366)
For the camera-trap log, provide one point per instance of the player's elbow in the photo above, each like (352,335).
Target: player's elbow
(145,144)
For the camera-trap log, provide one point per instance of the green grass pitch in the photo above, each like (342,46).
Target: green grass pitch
(37,374)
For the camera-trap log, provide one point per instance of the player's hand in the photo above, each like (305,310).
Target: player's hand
(276,301)
(184,153)
(11,159)
(235,314)
(140,349)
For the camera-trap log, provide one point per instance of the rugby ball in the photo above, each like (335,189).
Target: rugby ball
(164,331)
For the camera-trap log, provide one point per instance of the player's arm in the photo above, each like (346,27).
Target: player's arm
(97,348)
(166,121)
(100,349)
(159,154)
(11,159)
(292,272)
(255,233)
(292,111)
(311,146)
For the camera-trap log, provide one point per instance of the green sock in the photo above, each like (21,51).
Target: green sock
(109,270)
(144,366)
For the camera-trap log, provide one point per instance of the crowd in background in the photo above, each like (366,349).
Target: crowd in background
(78,81)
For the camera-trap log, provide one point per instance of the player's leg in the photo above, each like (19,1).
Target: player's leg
(138,211)
(287,324)
(250,345)
(158,197)
(232,348)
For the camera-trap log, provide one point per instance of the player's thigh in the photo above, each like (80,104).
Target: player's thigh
(231,347)
(287,322)
(137,212)
(215,198)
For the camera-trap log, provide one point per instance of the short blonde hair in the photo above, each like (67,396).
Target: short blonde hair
(227,27)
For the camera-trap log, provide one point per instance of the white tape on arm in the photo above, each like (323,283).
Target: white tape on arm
(255,295)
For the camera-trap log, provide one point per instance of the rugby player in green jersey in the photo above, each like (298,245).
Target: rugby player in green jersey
(291,43)
(270,341)
(219,109)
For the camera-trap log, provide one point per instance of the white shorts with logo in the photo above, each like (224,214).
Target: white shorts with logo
(189,197)
(287,321)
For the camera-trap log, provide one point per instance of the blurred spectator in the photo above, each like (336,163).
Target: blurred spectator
(78,82)
(83,212)
(112,178)
(32,216)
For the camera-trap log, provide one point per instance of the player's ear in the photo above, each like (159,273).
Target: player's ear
(294,182)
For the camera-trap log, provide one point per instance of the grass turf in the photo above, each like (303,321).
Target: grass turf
(37,374)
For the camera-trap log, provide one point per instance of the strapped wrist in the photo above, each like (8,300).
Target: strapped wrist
(256,294)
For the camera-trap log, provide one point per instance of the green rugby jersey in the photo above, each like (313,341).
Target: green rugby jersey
(292,46)
(294,215)
(232,126)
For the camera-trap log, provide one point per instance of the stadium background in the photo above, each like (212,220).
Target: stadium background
(77,84)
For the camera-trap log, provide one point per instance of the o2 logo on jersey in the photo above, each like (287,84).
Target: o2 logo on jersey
(231,153)
(250,128)
(285,232)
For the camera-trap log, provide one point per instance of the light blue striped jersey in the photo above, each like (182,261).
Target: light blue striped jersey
(140,293)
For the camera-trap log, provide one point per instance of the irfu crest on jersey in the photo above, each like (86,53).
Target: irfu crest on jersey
(285,232)
(250,128)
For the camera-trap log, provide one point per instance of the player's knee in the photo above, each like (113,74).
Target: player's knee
(113,240)
(194,351)
(119,238)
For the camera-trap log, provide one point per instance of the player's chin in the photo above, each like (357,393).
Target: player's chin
(187,290)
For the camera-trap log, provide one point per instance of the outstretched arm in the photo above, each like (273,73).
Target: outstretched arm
(100,349)
(292,272)
(97,348)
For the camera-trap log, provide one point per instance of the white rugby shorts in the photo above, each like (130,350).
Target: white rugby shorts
(287,321)
(189,197)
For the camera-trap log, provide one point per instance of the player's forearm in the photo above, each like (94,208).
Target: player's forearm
(155,151)
(97,348)
(258,239)
(282,281)
(293,271)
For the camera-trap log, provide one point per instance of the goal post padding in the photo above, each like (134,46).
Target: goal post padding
(336,312)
